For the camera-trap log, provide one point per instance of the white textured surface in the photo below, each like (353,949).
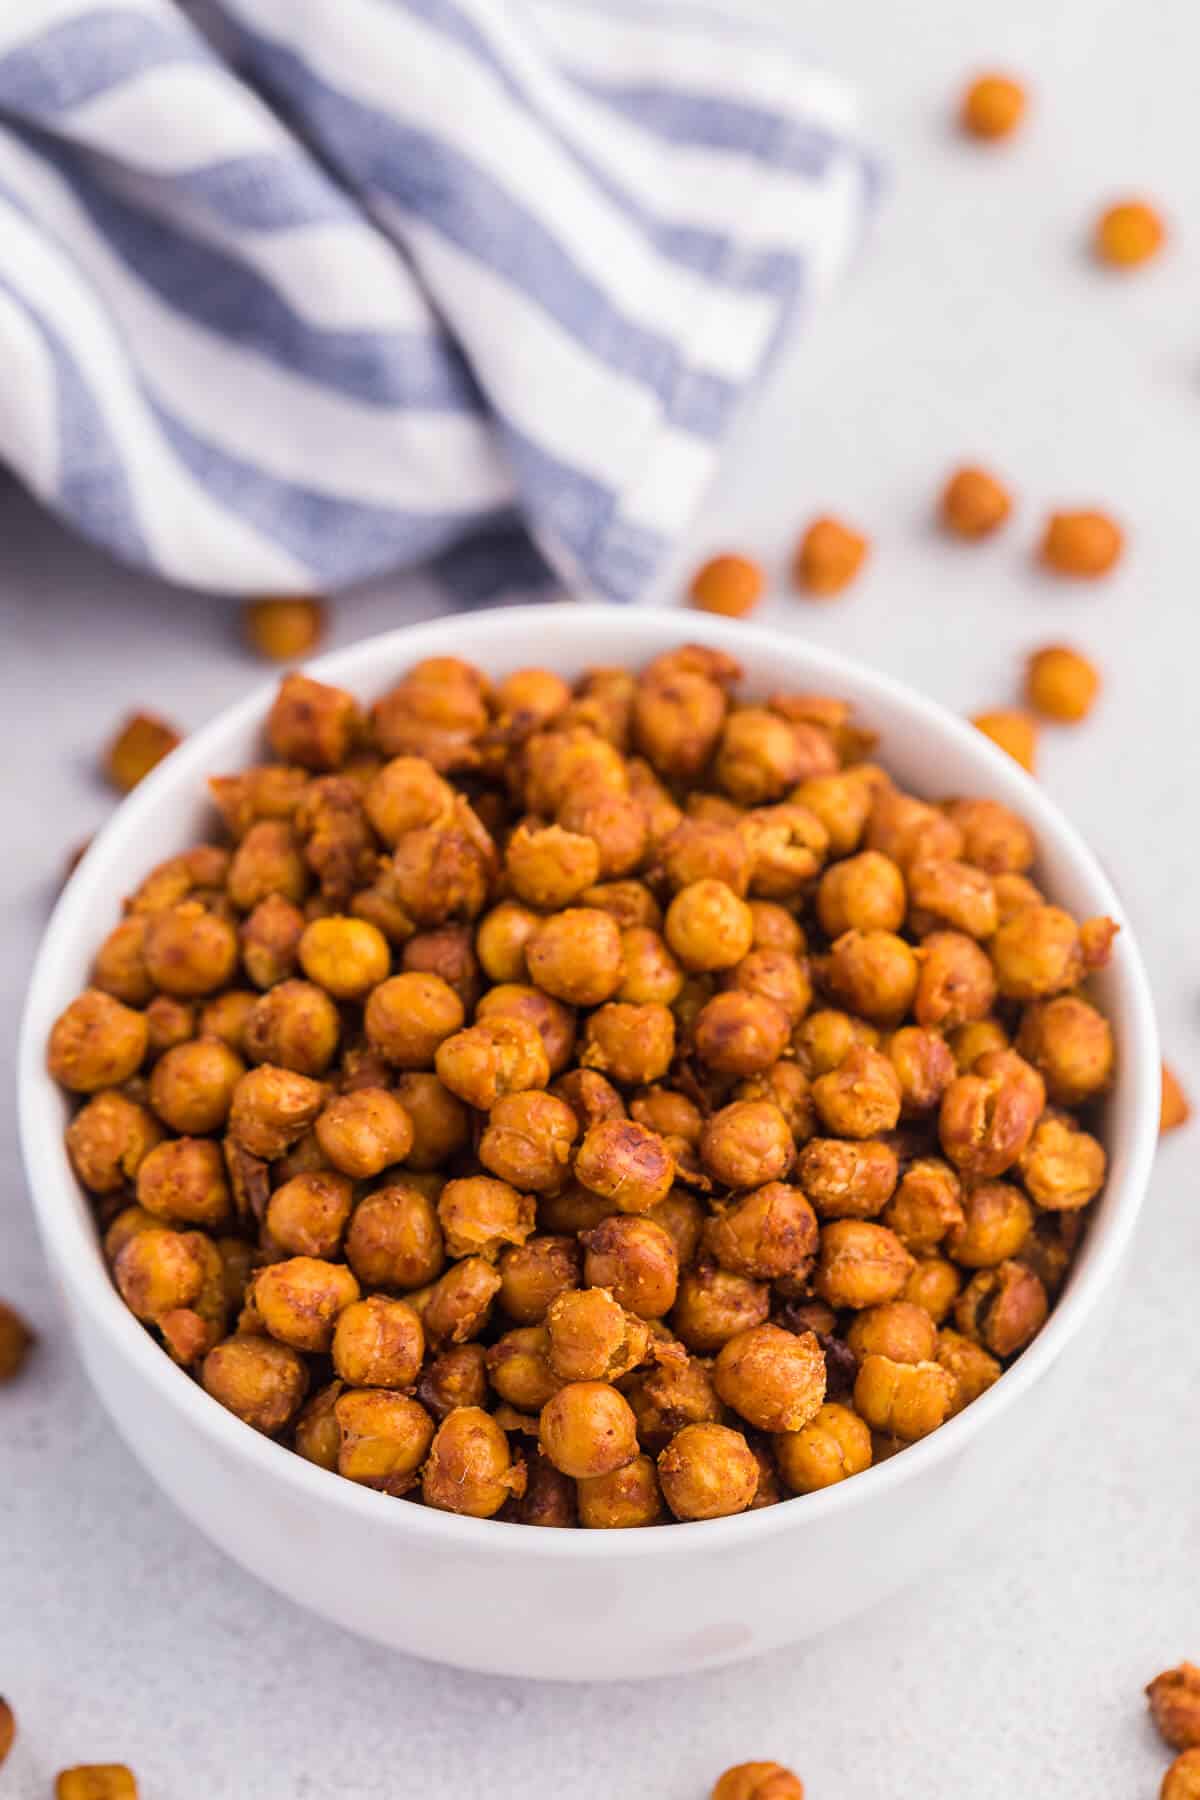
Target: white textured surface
(976,328)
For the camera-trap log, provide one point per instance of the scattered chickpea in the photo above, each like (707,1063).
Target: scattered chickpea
(730,585)
(1182,1779)
(16,1341)
(1061,684)
(96,1781)
(139,746)
(974,503)
(758,1781)
(828,557)
(1082,544)
(1014,732)
(1129,233)
(992,106)
(1175,1109)
(8,1729)
(1174,1698)
(283,629)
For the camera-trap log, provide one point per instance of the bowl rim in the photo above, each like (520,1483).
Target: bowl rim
(72,1246)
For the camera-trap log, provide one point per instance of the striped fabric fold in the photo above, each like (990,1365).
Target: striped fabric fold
(295,291)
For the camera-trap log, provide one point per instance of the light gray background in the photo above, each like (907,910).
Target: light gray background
(975,327)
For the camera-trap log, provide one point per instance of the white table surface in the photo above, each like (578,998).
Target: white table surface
(975,328)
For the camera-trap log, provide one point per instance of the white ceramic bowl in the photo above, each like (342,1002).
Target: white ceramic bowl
(575,1604)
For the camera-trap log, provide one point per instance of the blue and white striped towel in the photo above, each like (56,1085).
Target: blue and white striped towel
(292,291)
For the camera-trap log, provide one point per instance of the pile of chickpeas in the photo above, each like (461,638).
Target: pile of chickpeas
(597,1104)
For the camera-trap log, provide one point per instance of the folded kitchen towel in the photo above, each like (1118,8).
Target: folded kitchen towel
(292,291)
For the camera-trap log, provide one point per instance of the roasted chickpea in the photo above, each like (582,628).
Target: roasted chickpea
(1070,1043)
(768,1233)
(824,1039)
(675,1391)
(96,1043)
(378,1343)
(625,1163)
(363,1132)
(708,1472)
(934,1284)
(444,871)
(261,1381)
(588,1429)
(714,1304)
(225,1017)
(614,823)
(528,1140)
(169,1022)
(847,1180)
(308,1214)
(834,1445)
(534,1274)
(549,867)
(992,106)
(951,895)
(924,1066)
(1012,731)
(439,1120)
(316,1436)
(457,1307)
(899,1329)
(631,1043)
(139,746)
(987,1117)
(345,956)
(637,1260)
(860,1264)
(996,1221)
(270,941)
(299,1300)
(384,1438)
(437,711)
(494,1057)
(1128,234)
(973,1369)
(759,757)
(1061,684)
(590,1097)
(926,1205)
(1002,1308)
(671,1114)
(592,1337)
(775,975)
(408,1017)
(773,1378)
(1174,1108)
(974,503)
(828,557)
(736,1033)
(549,1498)
(293,1026)
(479,1215)
(576,956)
(993,837)
(554,1022)
(1174,1698)
(183,1180)
(909,830)
(702,849)
(624,1499)
(730,585)
(1081,544)
(1182,1779)
(747,1142)
(906,1399)
(518,1366)
(16,1341)
(188,950)
(969,1042)
(860,1098)
(786,1086)
(458,1377)
(681,1216)
(630,903)
(649,972)
(956,983)
(708,926)
(159,1271)
(192,1085)
(312,724)
(108,1140)
(677,718)
(842,802)
(1063,1168)
(501,937)
(875,974)
(470,1468)
(407,794)
(120,967)
(862,893)
(1013,894)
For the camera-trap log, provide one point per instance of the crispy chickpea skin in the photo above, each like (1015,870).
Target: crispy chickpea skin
(501,937)
(108,1140)
(746,1143)
(767,1233)
(993,837)
(458,1306)
(860,1264)
(992,107)
(316,1436)
(773,1378)
(96,1043)
(875,974)
(997,1219)
(549,867)
(974,503)
(528,1139)
(708,1472)
(394,1239)
(575,956)
(1174,1698)
(706,850)
(139,746)
(378,1343)
(899,1329)
(933,1284)
(637,1259)
(470,1468)
(649,972)
(1070,1043)
(634,1044)
(673,1392)
(120,967)
(479,1216)
(1182,1779)
(906,1399)
(1062,1168)
(535,1273)
(262,1381)
(363,1132)
(847,1180)
(553,1021)
(1003,1308)
(925,1206)
(293,1026)
(494,1057)
(588,1429)
(299,1300)
(626,1164)
(831,1447)
(677,719)
(590,1336)
(456,1377)
(828,557)
(96,1781)
(518,1366)
(385,1438)
(347,957)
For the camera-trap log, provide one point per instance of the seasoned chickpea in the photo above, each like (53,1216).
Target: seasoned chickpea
(313,724)
(875,974)
(787,844)
(528,1140)
(293,1026)
(842,802)
(860,1264)
(378,1343)
(299,1300)
(188,950)
(169,1022)
(345,956)
(786,1086)
(183,1180)
(1063,1168)
(139,746)
(458,1377)
(624,1499)
(747,1142)
(861,1098)
(973,1368)
(956,982)
(906,1399)
(588,1429)
(408,1017)
(987,1118)
(862,893)
(759,757)
(385,1438)
(96,1043)
(590,1097)
(518,1366)
(758,1781)
(773,1378)
(1174,1108)
(444,871)
(192,1085)
(924,1066)
(1003,1308)
(834,1445)
(631,1043)
(649,972)
(1174,1698)
(614,823)
(1127,234)
(934,1284)
(952,895)
(573,1208)
(776,929)
(899,1329)
(270,941)
(997,1219)
(549,1498)
(824,1039)
(120,967)
(307,1215)
(108,1140)
(775,975)
(1071,1044)
(736,1033)
(706,850)
(992,106)
(494,1057)
(479,1216)
(261,1381)
(675,1391)
(671,1114)
(625,1163)
(909,830)
(267,864)
(926,1205)
(1081,544)
(713,1305)
(470,1468)
(1061,684)
(969,1042)
(974,503)
(828,557)
(449,953)
(439,1120)
(550,867)
(768,1233)
(554,1022)
(637,1260)
(458,1306)
(576,956)
(225,1017)
(708,926)
(283,629)
(630,903)
(681,1216)
(592,1338)
(534,1274)
(96,1781)
(994,838)
(730,585)
(677,718)
(16,1341)
(501,937)
(158,1271)
(1012,731)
(708,1472)
(316,1436)
(847,1180)
(1182,1779)
(363,1132)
